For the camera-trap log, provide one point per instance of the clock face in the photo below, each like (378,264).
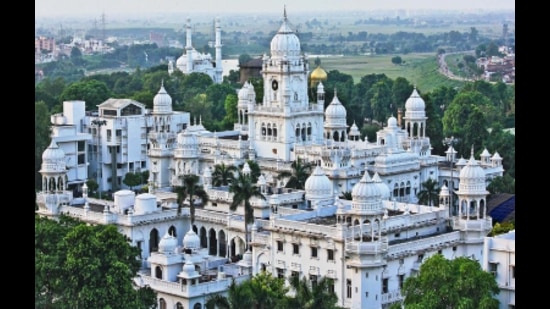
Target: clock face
(274,85)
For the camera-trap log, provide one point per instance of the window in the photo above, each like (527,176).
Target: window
(279,245)
(162,303)
(420,258)
(493,268)
(385,285)
(179,306)
(514,271)
(294,273)
(313,252)
(81,146)
(401,280)
(330,254)
(313,279)
(348,288)
(280,273)
(81,159)
(295,249)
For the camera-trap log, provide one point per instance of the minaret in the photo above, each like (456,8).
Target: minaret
(54,180)
(189,47)
(219,67)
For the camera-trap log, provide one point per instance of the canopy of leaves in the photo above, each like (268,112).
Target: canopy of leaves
(456,283)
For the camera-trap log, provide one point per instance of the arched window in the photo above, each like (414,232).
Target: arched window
(172,231)
(179,306)
(197,306)
(158,272)
(162,303)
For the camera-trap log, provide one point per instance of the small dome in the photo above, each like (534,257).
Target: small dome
(384,189)
(496,156)
(191,240)
(243,92)
(318,74)
(392,122)
(365,189)
(261,180)
(485,153)
(53,154)
(472,170)
(444,191)
(317,184)
(335,110)
(415,102)
(189,267)
(246,169)
(186,139)
(168,244)
(162,102)
(247,257)
(461,162)
(354,130)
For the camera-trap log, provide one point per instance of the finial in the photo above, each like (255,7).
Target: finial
(284,14)
(162,83)
(472,151)
(335,92)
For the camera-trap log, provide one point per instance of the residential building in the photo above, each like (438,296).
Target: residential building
(500,260)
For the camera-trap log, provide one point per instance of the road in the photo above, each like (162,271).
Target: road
(443,69)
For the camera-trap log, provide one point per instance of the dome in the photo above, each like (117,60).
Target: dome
(247,257)
(53,154)
(392,122)
(354,130)
(444,191)
(162,102)
(246,169)
(243,92)
(485,153)
(365,189)
(318,183)
(189,267)
(187,138)
(318,74)
(191,240)
(415,102)
(261,180)
(335,110)
(461,162)
(285,42)
(168,244)
(382,187)
(472,170)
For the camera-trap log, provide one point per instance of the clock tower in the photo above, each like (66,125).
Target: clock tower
(285,116)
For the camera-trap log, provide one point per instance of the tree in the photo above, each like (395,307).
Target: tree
(244,190)
(300,172)
(313,295)
(396,60)
(86,266)
(41,138)
(263,291)
(456,283)
(501,228)
(192,190)
(223,174)
(132,180)
(92,91)
(429,193)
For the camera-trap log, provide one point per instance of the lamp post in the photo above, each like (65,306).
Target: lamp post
(98,123)
(450,141)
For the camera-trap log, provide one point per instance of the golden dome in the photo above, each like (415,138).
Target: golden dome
(318,74)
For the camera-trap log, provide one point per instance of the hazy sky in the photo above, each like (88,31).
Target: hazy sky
(74,8)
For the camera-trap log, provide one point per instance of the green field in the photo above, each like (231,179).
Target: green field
(418,69)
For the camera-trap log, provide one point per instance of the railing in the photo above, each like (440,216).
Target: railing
(306,227)
(367,247)
(391,297)
(411,247)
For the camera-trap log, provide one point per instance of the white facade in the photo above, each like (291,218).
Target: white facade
(500,259)
(368,245)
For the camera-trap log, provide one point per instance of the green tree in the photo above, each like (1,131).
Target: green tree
(93,92)
(502,184)
(76,56)
(193,190)
(429,193)
(456,283)
(244,190)
(300,172)
(501,228)
(230,106)
(41,138)
(92,186)
(223,174)
(132,180)
(396,60)
(313,295)
(86,266)
(381,99)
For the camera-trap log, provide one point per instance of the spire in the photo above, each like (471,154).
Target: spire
(335,92)
(284,14)
(472,151)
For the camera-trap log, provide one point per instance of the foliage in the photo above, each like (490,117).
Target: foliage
(347,195)
(41,138)
(223,174)
(502,227)
(456,283)
(396,60)
(244,190)
(92,185)
(502,184)
(310,295)
(300,172)
(132,179)
(192,190)
(429,193)
(93,92)
(86,266)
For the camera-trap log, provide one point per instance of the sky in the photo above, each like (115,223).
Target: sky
(75,8)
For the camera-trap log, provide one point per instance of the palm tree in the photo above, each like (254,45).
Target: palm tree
(223,174)
(429,194)
(194,191)
(300,172)
(243,190)
(318,295)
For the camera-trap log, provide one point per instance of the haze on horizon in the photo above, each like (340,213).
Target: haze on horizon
(77,8)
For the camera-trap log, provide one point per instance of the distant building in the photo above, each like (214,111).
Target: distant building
(250,69)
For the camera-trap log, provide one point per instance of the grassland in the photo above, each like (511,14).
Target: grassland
(419,69)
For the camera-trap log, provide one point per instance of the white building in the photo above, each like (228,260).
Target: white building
(500,259)
(369,245)
(194,61)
